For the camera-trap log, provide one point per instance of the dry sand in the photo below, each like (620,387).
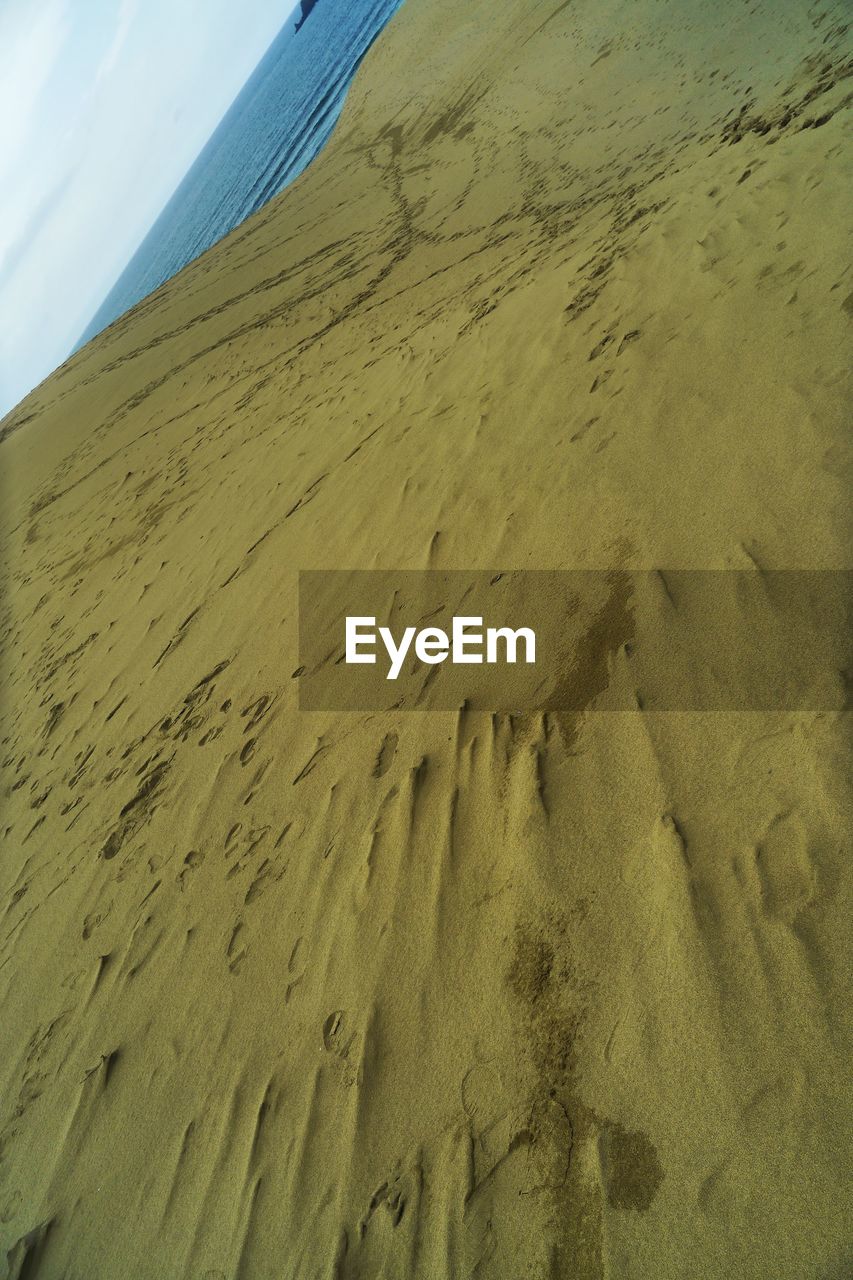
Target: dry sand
(289,995)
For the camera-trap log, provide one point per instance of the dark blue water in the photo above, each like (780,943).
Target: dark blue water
(274,129)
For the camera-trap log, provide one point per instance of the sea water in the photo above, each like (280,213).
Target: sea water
(273,130)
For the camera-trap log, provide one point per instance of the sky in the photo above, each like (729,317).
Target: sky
(104,105)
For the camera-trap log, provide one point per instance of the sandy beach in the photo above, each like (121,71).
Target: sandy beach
(291,995)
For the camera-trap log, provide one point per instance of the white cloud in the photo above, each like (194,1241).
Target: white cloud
(31,50)
(126,15)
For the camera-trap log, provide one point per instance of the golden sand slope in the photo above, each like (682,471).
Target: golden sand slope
(286,995)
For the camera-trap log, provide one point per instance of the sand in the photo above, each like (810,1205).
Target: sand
(289,994)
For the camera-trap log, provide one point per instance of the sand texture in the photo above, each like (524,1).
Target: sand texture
(294,996)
